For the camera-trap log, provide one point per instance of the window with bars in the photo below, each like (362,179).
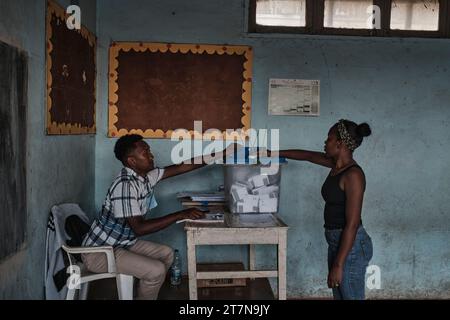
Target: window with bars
(396,18)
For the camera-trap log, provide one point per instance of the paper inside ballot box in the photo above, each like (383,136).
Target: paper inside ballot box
(258,181)
(212,283)
(248,203)
(238,191)
(265,190)
(268,204)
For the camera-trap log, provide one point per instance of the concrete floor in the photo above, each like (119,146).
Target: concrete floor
(257,289)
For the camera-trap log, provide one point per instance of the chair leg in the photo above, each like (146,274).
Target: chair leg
(84,291)
(125,286)
(70,294)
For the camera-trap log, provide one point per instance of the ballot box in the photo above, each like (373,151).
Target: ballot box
(253,185)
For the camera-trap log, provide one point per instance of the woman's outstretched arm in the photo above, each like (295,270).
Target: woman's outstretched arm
(305,155)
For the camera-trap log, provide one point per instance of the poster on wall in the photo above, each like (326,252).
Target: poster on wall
(294,97)
(70,75)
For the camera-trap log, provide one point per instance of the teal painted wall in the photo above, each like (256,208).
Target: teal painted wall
(399,86)
(59,168)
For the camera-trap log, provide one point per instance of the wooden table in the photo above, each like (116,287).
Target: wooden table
(226,233)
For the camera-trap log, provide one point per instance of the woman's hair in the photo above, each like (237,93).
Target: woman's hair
(356,131)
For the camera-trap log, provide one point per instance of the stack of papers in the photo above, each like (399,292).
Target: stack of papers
(202,196)
(216,216)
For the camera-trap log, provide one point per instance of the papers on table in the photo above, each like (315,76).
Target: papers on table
(202,196)
(212,216)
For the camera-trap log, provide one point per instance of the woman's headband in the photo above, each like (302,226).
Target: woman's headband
(346,137)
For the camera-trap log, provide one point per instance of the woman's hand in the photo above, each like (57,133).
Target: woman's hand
(264,152)
(335,276)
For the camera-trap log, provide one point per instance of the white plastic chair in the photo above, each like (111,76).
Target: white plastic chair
(124,282)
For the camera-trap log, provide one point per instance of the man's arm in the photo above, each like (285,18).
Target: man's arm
(197,162)
(141,227)
(181,168)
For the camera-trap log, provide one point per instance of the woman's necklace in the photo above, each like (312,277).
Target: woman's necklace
(336,170)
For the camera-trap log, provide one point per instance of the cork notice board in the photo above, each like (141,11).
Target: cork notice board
(156,88)
(70,76)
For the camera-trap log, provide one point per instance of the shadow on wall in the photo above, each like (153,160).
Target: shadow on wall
(13,68)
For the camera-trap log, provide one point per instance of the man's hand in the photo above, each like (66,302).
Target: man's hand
(191,213)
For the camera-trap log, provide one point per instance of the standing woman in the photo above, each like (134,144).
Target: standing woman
(349,246)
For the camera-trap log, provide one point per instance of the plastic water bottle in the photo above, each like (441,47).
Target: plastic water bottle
(175,272)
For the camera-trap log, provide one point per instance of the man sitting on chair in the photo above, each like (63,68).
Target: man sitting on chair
(129,198)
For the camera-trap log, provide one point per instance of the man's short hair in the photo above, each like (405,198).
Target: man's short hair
(125,145)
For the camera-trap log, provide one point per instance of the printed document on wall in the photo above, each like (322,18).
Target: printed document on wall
(294,97)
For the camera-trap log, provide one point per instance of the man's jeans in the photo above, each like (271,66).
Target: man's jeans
(353,279)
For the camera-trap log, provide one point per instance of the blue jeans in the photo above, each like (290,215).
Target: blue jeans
(353,279)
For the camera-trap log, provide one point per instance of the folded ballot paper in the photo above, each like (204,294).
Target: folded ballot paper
(268,203)
(255,195)
(248,203)
(258,181)
(265,190)
(238,191)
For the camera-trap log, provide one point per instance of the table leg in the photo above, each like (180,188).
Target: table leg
(192,266)
(282,246)
(251,257)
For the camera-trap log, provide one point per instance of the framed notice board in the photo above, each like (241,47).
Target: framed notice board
(156,88)
(70,76)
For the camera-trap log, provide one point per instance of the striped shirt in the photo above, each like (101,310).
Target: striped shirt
(130,195)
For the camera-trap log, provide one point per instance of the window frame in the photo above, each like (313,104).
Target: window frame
(315,16)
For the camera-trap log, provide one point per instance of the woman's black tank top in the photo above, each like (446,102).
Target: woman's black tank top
(334,197)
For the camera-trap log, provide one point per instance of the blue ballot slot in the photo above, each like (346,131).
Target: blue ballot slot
(247,155)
